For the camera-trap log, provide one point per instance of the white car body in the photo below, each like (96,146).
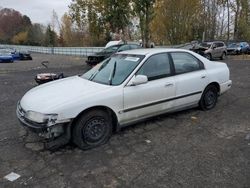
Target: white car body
(71,96)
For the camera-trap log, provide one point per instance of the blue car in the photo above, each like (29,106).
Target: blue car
(238,48)
(12,52)
(6,58)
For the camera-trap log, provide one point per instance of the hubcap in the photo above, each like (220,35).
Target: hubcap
(210,98)
(94,130)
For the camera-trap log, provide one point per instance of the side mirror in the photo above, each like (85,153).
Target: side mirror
(138,80)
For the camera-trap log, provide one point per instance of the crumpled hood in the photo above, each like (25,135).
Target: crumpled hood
(47,96)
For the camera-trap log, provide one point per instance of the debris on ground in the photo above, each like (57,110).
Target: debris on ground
(12,176)
(194,118)
(148,141)
(247,136)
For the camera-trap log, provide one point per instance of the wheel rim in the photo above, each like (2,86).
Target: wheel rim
(95,130)
(208,57)
(210,98)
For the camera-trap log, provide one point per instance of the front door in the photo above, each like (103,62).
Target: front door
(153,97)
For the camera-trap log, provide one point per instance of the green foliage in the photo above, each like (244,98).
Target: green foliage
(50,37)
(95,22)
(36,35)
(100,18)
(144,9)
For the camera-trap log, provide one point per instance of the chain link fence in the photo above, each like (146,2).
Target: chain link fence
(74,51)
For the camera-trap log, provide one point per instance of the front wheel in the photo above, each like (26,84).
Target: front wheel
(92,129)
(209,98)
(208,56)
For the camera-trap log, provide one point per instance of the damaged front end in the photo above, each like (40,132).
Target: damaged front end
(199,50)
(55,133)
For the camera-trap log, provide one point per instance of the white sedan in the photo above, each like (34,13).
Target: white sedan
(126,88)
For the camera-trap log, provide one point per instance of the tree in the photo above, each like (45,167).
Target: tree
(99,18)
(177,22)
(50,37)
(144,10)
(36,35)
(20,38)
(11,23)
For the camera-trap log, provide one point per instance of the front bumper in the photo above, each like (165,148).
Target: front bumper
(43,128)
(54,136)
(34,127)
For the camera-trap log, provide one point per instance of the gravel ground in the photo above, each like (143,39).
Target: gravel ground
(186,149)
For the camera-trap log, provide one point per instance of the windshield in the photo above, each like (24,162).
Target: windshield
(114,70)
(111,49)
(233,45)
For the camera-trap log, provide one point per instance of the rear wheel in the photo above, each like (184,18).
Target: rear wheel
(209,98)
(223,56)
(92,129)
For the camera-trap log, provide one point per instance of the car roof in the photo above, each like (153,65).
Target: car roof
(151,51)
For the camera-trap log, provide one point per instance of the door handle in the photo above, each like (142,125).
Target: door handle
(202,77)
(169,84)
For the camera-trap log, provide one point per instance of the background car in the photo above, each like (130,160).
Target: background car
(238,48)
(24,55)
(107,52)
(6,58)
(211,50)
(17,55)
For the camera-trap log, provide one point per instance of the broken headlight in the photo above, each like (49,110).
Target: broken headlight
(41,118)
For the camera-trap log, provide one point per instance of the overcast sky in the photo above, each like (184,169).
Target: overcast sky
(39,11)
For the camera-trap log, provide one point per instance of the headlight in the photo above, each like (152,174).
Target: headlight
(239,49)
(40,118)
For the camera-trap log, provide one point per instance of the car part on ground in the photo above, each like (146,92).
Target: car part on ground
(126,88)
(211,50)
(47,77)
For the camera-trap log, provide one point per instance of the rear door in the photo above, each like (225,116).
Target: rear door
(190,78)
(216,50)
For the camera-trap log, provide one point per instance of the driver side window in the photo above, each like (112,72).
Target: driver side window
(156,67)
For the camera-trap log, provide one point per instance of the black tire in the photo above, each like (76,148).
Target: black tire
(209,98)
(223,56)
(92,129)
(208,56)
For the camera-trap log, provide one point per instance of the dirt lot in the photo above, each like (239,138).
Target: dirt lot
(186,149)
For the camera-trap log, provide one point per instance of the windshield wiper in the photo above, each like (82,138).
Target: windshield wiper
(93,75)
(112,74)
(97,71)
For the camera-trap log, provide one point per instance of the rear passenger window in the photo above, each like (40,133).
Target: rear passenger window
(185,62)
(156,67)
(220,44)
